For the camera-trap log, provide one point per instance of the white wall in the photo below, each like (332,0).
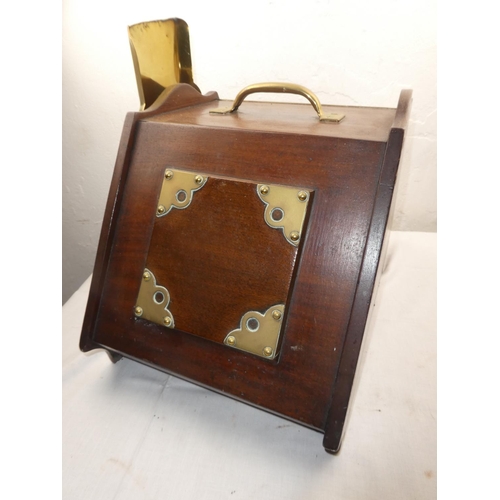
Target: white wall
(348,52)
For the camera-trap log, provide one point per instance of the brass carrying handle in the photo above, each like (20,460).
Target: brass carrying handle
(284,88)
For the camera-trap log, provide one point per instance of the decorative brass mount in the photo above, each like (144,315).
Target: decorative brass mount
(258,333)
(177,190)
(285,209)
(152,301)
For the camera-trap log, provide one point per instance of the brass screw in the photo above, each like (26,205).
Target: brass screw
(161,209)
(268,351)
(169,174)
(167,321)
(277,314)
(146,276)
(294,236)
(231,340)
(138,311)
(302,196)
(264,189)
(198,179)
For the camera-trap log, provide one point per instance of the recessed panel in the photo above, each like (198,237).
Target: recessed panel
(221,259)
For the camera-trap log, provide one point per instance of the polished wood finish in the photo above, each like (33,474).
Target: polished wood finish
(350,173)
(368,279)
(368,124)
(171,99)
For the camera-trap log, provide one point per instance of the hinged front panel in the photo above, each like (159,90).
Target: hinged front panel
(221,259)
(237,290)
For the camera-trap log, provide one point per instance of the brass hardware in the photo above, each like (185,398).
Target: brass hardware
(287,88)
(302,195)
(162,57)
(277,314)
(284,209)
(177,190)
(258,333)
(153,300)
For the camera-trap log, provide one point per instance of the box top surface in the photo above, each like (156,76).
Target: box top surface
(360,123)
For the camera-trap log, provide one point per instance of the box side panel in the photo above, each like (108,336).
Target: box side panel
(367,285)
(370,271)
(107,231)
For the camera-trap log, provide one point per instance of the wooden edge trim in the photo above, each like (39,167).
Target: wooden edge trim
(350,352)
(172,98)
(107,230)
(181,95)
(403,109)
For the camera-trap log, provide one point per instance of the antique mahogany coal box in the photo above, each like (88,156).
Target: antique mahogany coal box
(239,250)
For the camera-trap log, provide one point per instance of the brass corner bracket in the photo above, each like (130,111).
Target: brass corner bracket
(285,209)
(258,333)
(152,301)
(177,190)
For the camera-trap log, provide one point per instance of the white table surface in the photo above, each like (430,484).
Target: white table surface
(132,432)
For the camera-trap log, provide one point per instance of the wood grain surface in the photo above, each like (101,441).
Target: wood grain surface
(345,231)
(222,242)
(369,124)
(367,285)
(171,99)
